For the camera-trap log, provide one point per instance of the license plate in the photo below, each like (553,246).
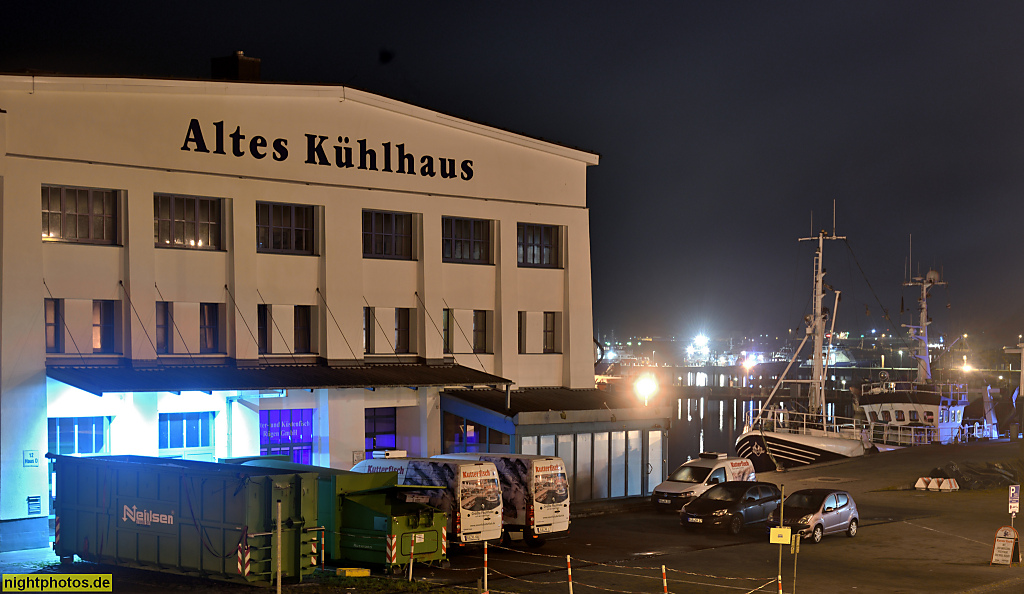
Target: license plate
(664,501)
(695,520)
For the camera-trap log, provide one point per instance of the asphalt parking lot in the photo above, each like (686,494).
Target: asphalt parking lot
(909,541)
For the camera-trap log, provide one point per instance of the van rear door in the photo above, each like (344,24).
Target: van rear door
(479,501)
(550,496)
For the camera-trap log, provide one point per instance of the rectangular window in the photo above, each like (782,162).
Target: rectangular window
(522,332)
(187,222)
(186,435)
(163,327)
(466,240)
(402,330)
(82,215)
(284,228)
(381,428)
(104,326)
(549,332)
(209,328)
(479,331)
(303,343)
(53,314)
(537,245)
(262,324)
(387,235)
(446,330)
(368,321)
(77,435)
(287,432)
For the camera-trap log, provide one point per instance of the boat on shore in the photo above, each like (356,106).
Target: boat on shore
(897,414)
(909,413)
(777,437)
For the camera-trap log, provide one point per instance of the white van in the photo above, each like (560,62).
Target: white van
(534,492)
(698,475)
(471,497)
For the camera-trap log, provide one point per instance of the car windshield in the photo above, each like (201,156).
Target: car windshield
(690,474)
(802,500)
(728,493)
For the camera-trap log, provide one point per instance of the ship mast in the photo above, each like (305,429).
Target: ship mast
(920,332)
(816,326)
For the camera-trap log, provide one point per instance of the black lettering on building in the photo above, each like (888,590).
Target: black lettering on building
(406,162)
(467,170)
(195,134)
(386,153)
(236,142)
(365,155)
(343,154)
(447,168)
(280,149)
(427,167)
(315,150)
(256,144)
(220,138)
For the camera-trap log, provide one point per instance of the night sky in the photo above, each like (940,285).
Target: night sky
(723,128)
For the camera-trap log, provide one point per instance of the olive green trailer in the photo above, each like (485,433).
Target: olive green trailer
(369,519)
(197,518)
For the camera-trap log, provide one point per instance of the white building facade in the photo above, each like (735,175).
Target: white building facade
(230,268)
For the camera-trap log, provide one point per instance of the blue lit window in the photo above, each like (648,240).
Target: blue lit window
(287,432)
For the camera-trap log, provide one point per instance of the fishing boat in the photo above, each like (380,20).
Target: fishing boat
(776,437)
(908,413)
(897,413)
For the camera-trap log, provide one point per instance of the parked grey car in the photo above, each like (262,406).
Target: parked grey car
(813,513)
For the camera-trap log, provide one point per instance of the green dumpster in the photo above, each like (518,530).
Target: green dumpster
(196,518)
(370,520)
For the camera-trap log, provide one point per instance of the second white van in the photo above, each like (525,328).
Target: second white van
(535,494)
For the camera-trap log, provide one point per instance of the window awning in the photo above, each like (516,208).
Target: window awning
(207,378)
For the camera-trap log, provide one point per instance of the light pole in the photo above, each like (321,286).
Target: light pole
(645,387)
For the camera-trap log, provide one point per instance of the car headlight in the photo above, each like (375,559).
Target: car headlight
(806,519)
(719,512)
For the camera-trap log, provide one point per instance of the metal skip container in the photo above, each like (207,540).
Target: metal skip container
(411,530)
(371,519)
(197,518)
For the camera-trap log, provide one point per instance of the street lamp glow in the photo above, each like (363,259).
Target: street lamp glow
(749,363)
(645,387)
(701,341)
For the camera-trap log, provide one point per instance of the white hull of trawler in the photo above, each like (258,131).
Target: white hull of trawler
(770,449)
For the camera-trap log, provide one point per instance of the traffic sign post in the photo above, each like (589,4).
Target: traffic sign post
(1006,549)
(1014,502)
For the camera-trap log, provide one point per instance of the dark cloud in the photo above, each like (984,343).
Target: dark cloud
(722,126)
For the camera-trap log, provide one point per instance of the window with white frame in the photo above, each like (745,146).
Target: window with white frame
(186,435)
(80,215)
(78,435)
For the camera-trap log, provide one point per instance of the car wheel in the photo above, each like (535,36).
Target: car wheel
(735,524)
(817,534)
(852,530)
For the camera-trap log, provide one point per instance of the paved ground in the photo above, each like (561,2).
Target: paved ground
(910,541)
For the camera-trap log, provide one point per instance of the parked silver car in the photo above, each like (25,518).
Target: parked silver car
(813,513)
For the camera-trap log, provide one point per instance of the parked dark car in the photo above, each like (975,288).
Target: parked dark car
(813,513)
(733,504)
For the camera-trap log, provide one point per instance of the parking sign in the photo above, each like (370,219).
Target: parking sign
(1014,499)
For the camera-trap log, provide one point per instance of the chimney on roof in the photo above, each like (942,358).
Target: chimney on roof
(237,66)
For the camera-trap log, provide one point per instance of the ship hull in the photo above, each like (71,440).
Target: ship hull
(794,449)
